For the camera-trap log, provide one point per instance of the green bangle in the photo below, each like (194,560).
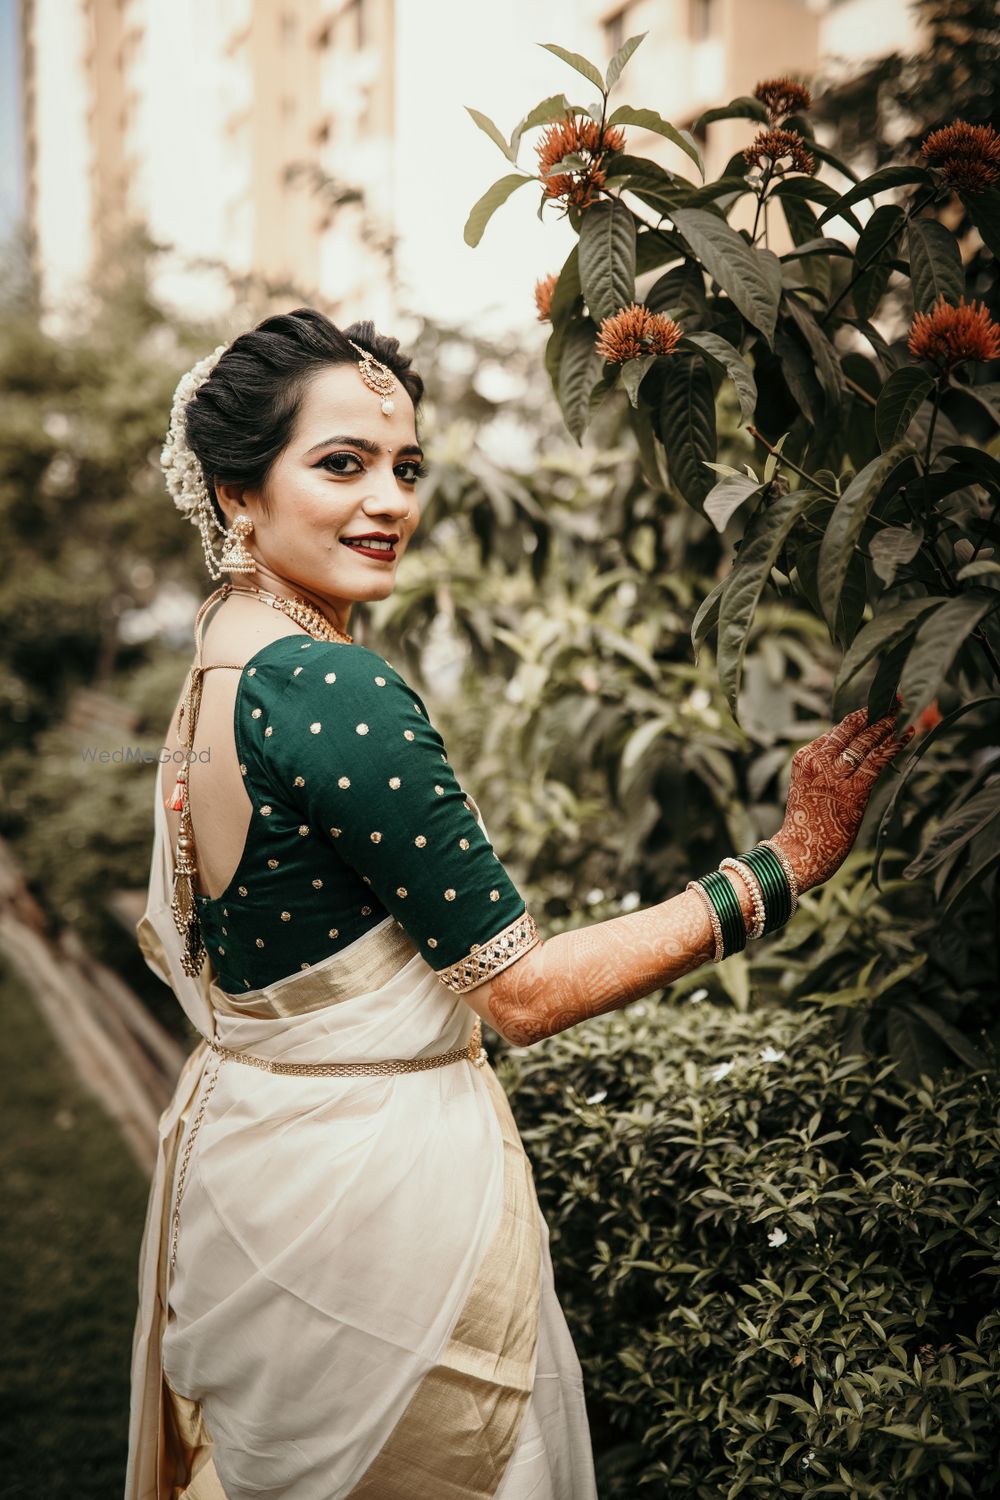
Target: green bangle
(727,904)
(774,882)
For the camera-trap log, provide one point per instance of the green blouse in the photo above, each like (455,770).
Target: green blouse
(357,815)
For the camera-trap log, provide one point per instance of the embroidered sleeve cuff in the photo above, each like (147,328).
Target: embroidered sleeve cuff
(486,959)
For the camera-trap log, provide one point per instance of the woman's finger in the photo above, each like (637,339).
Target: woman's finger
(871,737)
(841,734)
(877,761)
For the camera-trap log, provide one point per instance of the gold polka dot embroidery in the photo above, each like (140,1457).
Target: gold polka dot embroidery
(259,942)
(317,885)
(407,734)
(268,732)
(299,781)
(420,841)
(306,646)
(335,833)
(344,781)
(367,879)
(334,932)
(242,890)
(361,729)
(401,890)
(432,942)
(243,769)
(380,681)
(366,911)
(266,810)
(394,782)
(251,671)
(439,790)
(449,894)
(286,916)
(303,829)
(494,895)
(222,950)
(255,713)
(272,864)
(417,707)
(330,677)
(225,932)
(305,966)
(315,728)
(225,911)
(463,843)
(376,837)
(296,671)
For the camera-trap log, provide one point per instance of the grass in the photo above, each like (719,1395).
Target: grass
(74,1205)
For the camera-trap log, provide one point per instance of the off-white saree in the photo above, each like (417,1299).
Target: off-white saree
(362,1302)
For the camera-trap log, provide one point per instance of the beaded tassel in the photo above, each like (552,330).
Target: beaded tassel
(183,903)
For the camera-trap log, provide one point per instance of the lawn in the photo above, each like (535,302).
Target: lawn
(74,1204)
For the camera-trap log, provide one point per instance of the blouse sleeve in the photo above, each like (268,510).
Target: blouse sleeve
(354,743)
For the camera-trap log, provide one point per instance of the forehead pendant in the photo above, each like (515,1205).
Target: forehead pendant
(377,377)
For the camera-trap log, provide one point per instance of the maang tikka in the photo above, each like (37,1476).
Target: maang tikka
(377,377)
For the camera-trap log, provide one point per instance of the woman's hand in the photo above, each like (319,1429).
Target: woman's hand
(828,795)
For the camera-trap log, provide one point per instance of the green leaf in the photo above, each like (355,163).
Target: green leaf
(963,1050)
(987,396)
(957,829)
(904,391)
(607,258)
(878,182)
(567,288)
(739,372)
(742,108)
(984,211)
(488,204)
(620,58)
(579,366)
(687,425)
(707,615)
(745,274)
(632,372)
(574,60)
(828,371)
(762,542)
(935,263)
(814,190)
(935,648)
(648,119)
(724,499)
(650,182)
(554,108)
(891,547)
(875,253)
(487,126)
(681,290)
(846,525)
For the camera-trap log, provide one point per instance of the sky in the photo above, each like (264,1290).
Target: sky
(10,121)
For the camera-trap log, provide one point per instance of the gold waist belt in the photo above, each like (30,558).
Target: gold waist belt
(474,1052)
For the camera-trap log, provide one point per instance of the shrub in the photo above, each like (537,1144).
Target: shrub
(778,1265)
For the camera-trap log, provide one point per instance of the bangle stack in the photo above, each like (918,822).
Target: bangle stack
(768,876)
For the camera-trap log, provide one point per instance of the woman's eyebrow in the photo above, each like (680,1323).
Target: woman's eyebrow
(366,445)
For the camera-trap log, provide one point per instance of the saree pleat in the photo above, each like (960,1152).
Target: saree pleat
(362,1269)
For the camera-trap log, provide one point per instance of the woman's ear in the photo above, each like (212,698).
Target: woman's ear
(231,499)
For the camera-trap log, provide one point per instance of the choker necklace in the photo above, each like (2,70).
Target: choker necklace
(297,609)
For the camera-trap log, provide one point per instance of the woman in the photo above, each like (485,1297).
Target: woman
(345,1286)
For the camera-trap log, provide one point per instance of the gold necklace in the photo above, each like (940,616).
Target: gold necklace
(296,608)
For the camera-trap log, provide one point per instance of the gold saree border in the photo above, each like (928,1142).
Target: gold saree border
(460,1428)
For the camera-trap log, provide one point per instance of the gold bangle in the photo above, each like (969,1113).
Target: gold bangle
(753,885)
(713,917)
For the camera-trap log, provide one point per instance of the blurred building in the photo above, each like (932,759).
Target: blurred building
(323,146)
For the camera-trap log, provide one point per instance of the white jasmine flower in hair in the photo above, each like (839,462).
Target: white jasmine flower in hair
(181,469)
(597,1098)
(776,1237)
(770,1054)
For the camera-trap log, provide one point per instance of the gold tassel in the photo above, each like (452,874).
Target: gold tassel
(183,903)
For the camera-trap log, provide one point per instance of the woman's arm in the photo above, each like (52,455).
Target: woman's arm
(575,975)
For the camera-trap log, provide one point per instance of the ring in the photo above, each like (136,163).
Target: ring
(851,757)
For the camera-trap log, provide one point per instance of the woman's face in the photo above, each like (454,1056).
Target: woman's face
(347,471)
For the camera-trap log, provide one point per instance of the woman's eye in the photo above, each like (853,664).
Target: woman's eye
(414,471)
(334,462)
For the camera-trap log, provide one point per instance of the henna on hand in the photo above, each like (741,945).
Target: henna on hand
(575,975)
(827,796)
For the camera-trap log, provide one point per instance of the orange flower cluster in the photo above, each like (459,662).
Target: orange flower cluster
(543,296)
(635,331)
(783,96)
(968,156)
(774,146)
(948,335)
(581,135)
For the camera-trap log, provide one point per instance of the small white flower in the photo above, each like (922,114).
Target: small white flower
(699,699)
(777,1237)
(696,996)
(629,901)
(721,1070)
(595,896)
(807,1458)
(597,1098)
(770,1054)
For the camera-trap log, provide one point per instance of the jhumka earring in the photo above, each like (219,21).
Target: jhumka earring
(377,377)
(235,557)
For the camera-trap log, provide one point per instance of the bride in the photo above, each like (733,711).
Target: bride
(345,1287)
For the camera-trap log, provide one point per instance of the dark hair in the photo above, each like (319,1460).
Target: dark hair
(241,418)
